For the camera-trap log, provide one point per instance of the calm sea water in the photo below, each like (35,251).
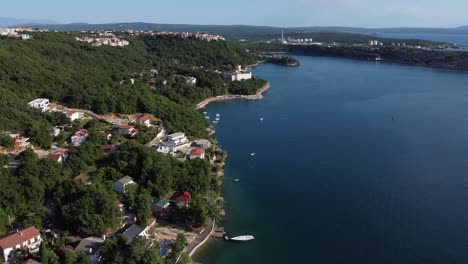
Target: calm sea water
(459,39)
(355,162)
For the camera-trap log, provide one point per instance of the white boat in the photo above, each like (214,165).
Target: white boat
(215,122)
(261,118)
(241,238)
(252,154)
(218,115)
(205,113)
(217,119)
(207,117)
(236,180)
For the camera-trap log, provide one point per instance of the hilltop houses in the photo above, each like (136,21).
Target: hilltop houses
(21,144)
(40,103)
(28,239)
(177,139)
(79,137)
(120,186)
(90,246)
(159,205)
(238,74)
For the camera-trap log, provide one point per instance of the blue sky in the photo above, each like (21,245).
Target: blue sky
(362,13)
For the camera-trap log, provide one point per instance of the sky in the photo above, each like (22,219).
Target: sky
(282,13)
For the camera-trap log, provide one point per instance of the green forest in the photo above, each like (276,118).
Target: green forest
(107,80)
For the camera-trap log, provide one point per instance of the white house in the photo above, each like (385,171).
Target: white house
(74,115)
(192,81)
(238,74)
(120,186)
(161,148)
(177,138)
(28,239)
(144,120)
(40,103)
(134,231)
(196,153)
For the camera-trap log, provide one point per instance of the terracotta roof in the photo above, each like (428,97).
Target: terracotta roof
(71,112)
(55,157)
(181,196)
(61,151)
(197,152)
(23,235)
(82,177)
(126,127)
(107,147)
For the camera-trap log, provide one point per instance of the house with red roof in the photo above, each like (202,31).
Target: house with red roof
(74,115)
(28,239)
(181,199)
(144,120)
(196,153)
(79,137)
(60,155)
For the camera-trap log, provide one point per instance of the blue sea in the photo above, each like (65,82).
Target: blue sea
(356,162)
(459,39)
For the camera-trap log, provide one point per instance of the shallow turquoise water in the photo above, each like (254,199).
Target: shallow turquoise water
(335,179)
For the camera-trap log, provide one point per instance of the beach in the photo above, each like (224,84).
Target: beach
(257,96)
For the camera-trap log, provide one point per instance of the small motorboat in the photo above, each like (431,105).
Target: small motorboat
(217,119)
(207,117)
(252,154)
(205,113)
(218,115)
(261,119)
(240,238)
(236,180)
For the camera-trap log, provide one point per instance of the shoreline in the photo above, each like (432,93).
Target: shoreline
(256,96)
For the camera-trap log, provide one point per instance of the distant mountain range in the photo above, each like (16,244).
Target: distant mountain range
(230,31)
(13,22)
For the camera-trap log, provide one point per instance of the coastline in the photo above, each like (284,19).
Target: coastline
(256,96)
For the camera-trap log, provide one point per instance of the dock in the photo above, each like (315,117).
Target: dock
(218,232)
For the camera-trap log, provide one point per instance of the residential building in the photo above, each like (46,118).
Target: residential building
(40,103)
(91,246)
(161,148)
(60,156)
(177,138)
(203,144)
(192,81)
(144,120)
(30,261)
(120,186)
(238,74)
(134,231)
(79,137)
(159,205)
(74,115)
(28,239)
(181,199)
(108,148)
(21,144)
(196,153)
(128,130)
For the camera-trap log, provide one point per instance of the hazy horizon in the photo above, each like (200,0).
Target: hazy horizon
(276,13)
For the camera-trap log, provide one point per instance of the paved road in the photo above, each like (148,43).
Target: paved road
(200,239)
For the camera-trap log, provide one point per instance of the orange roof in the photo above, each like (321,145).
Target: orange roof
(126,127)
(61,151)
(55,157)
(144,118)
(197,152)
(71,112)
(181,196)
(13,239)
(82,177)
(30,261)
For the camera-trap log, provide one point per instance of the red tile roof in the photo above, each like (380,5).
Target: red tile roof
(127,127)
(107,147)
(30,261)
(197,152)
(181,196)
(71,112)
(55,157)
(144,118)
(13,239)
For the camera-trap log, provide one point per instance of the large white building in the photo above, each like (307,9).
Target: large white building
(40,103)
(238,74)
(177,138)
(28,239)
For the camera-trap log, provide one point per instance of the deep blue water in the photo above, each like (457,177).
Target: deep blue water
(459,39)
(335,179)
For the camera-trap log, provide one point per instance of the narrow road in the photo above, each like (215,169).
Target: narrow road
(199,240)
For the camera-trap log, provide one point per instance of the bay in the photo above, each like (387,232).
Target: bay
(356,162)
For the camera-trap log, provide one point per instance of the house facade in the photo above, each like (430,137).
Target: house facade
(196,153)
(177,138)
(40,103)
(144,120)
(159,205)
(181,199)
(120,186)
(74,115)
(28,239)
(79,137)
(128,130)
